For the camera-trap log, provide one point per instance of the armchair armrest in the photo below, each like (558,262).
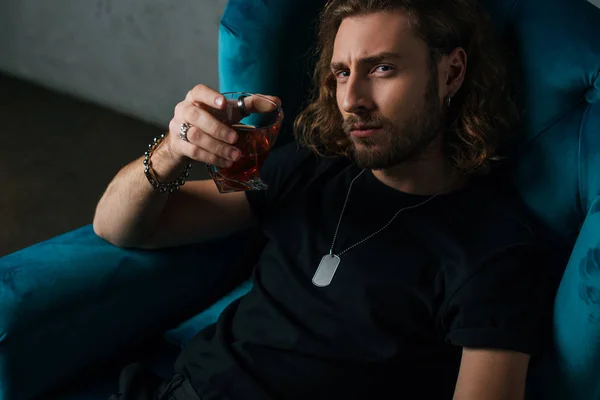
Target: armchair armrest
(77,300)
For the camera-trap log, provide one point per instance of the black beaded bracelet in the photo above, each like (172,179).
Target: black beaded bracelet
(169,187)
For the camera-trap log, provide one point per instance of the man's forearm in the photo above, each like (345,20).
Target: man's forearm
(130,207)
(491,374)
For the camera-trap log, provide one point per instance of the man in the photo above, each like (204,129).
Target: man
(395,267)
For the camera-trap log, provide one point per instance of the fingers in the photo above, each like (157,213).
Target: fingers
(261,103)
(210,115)
(209,141)
(203,120)
(209,151)
(205,156)
(202,94)
(217,147)
(231,114)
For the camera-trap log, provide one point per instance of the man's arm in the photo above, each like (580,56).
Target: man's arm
(491,375)
(499,317)
(131,213)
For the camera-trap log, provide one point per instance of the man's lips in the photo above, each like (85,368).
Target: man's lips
(364,131)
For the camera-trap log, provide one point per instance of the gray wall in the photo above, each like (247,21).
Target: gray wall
(136,56)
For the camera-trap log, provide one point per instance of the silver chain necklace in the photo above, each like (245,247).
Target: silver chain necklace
(330,262)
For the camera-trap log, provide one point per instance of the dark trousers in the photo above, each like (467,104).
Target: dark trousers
(138,382)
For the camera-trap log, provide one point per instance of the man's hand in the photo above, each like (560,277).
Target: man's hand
(210,139)
(491,375)
(132,214)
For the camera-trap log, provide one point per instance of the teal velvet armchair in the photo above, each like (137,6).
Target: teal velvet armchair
(74,309)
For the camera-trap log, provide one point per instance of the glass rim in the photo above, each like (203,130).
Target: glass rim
(279,109)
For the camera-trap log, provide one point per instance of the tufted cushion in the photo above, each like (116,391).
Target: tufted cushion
(547,168)
(577,318)
(265,47)
(589,166)
(558,53)
(559,175)
(557,170)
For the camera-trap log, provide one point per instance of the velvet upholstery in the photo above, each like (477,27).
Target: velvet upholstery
(78,301)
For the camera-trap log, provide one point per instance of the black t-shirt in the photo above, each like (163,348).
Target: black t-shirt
(460,270)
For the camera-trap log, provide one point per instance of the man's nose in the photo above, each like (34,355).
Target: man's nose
(357,97)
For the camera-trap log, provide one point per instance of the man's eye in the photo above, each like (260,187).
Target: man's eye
(342,74)
(384,68)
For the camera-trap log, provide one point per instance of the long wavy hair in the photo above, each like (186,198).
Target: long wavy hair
(482,112)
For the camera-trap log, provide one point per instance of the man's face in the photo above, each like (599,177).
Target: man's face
(387,91)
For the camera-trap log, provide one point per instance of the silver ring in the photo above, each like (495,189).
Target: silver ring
(242,107)
(185,127)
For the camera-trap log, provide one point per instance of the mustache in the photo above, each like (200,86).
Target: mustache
(365,122)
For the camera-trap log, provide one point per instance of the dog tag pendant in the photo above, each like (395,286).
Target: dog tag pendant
(326,270)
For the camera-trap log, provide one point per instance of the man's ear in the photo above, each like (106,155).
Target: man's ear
(454,70)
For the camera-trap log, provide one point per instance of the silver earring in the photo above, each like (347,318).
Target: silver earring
(448,101)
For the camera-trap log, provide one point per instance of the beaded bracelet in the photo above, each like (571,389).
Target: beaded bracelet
(169,187)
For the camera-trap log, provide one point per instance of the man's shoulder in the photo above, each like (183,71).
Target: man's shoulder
(289,157)
(497,236)
(497,219)
(288,170)
(294,160)
(290,151)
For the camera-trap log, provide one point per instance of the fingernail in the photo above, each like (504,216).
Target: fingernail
(235,155)
(219,101)
(228,164)
(232,137)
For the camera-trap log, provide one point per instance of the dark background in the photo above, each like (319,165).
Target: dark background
(57,155)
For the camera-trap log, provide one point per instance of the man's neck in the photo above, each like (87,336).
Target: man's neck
(429,175)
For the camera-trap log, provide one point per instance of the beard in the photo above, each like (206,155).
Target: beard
(395,145)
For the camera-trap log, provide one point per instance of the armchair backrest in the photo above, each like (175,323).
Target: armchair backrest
(265,47)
